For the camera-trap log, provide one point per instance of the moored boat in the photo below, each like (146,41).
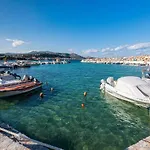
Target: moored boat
(130,88)
(12,84)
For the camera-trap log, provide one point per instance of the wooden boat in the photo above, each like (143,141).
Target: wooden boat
(11,86)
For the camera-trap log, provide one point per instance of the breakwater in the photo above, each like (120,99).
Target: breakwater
(28,64)
(133,61)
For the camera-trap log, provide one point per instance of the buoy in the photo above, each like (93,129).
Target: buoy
(52,89)
(41,95)
(82,105)
(85,93)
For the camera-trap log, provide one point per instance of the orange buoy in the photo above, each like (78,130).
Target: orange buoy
(82,105)
(85,93)
(41,95)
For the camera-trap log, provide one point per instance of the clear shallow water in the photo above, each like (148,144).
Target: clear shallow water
(104,123)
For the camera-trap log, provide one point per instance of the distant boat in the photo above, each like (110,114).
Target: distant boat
(130,88)
(64,62)
(12,84)
(23,64)
(5,67)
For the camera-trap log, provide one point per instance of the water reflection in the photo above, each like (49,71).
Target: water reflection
(126,112)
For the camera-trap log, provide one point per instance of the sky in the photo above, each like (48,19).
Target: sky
(100,28)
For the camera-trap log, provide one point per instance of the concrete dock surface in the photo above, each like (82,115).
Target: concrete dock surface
(141,145)
(11,139)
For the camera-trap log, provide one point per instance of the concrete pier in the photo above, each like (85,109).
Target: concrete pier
(11,139)
(141,145)
(8,144)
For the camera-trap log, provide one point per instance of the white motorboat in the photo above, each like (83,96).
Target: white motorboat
(130,88)
(12,84)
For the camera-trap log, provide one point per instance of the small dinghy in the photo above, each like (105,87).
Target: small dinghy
(12,84)
(130,88)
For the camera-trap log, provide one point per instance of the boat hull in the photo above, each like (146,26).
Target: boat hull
(4,94)
(111,91)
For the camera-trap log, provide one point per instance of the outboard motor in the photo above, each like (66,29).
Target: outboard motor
(110,80)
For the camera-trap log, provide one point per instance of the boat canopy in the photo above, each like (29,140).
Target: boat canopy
(131,81)
(134,86)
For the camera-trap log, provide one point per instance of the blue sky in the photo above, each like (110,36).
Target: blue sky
(87,27)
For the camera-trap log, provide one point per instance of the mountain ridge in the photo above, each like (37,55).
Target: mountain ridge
(42,55)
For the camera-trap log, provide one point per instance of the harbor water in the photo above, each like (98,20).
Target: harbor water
(104,123)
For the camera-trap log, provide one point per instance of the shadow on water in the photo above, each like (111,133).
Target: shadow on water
(126,110)
(110,99)
(6,103)
(29,99)
(61,142)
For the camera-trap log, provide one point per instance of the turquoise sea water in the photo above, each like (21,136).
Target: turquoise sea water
(105,123)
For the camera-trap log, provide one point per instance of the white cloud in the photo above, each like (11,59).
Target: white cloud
(108,49)
(70,50)
(126,49)
(105,49)
(139,46)
(88,51)
(138,53)
(120,47)
(16,42)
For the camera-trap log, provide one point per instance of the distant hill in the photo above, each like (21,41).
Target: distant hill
(55,54)
(41,55)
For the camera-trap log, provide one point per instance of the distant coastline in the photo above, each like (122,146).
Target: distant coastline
(41,55)
(142,60)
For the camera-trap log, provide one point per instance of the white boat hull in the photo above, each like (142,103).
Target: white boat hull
(113,92)
(18,92)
